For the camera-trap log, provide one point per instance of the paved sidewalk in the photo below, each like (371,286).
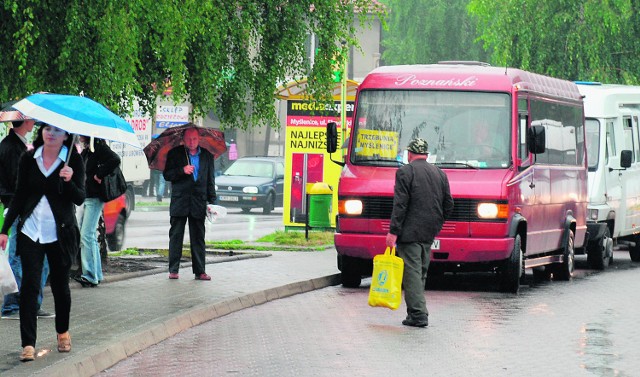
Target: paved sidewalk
(117,319)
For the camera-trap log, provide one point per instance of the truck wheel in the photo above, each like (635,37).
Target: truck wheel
(513,269)
(130,200)
(634,251)
(564,271)
(116,239)
(349,271)
(599,251)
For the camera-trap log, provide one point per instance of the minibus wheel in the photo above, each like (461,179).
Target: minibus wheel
(599,252)
(565,269)
(350,273)
(634,251)
(512,270)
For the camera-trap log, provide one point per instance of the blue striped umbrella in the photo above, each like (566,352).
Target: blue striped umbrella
(78,115)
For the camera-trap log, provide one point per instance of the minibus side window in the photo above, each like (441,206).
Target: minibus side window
(611,141)
(628,136)
(635,121)
(523,120)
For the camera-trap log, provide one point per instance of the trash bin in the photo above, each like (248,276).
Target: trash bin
(320,196)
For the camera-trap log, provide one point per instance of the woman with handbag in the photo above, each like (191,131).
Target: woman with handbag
(50,183)
(100,161)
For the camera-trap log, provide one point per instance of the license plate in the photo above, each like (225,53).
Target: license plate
(435,245)
(228,198)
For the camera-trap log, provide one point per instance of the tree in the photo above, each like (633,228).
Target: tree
(428,31)
(575,40)
(225,56)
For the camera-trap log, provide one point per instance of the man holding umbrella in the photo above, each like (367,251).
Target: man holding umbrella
(190,170)
(11,148)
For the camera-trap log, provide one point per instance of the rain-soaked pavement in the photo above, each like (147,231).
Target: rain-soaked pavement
(585,327)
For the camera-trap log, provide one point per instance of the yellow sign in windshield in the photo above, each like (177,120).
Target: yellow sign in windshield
(379,144)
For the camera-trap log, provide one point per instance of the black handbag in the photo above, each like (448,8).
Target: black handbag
(113,185)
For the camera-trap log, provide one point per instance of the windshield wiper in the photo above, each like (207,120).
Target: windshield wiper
(371,161)
(455,164)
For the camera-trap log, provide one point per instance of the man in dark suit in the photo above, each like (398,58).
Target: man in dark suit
(190,170)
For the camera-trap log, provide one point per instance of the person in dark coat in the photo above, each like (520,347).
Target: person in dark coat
(50,184)
(11,149)
(100,161)
(190,170)
(421,203)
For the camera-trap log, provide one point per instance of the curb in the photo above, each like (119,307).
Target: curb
(105,356)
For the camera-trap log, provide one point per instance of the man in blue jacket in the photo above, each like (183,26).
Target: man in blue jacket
(421,203)
(190,170)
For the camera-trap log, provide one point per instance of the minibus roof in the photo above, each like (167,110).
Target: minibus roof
(467,77)
(607,100)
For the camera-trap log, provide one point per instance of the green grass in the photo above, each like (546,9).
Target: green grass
(280,241)
(152,204)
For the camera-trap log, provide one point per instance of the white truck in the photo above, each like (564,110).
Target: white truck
(613,150)
(133,161)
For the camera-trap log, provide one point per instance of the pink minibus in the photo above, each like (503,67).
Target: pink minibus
(512,144)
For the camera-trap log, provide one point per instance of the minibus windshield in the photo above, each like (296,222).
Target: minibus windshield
(463,129)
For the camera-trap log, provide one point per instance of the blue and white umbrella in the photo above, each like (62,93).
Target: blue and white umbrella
(78,115)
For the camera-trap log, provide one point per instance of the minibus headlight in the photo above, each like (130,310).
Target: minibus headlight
(350,207)
(250,190)
(593,214)
(493,211)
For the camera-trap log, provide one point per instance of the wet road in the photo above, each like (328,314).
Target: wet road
(150,229)
(585,327)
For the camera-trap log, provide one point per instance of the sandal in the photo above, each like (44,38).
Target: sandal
(64,342)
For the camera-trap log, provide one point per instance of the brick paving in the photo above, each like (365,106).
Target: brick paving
(118,319)
(585,327)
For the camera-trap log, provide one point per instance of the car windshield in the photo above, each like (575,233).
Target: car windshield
(463,129)
(250,168)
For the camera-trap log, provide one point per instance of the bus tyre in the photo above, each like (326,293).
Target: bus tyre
(349,271)
(599,251)
(565,269)
(513,269)
(634,251)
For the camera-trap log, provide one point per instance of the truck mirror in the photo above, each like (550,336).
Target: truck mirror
(625,158)
(536,139)
(332,137)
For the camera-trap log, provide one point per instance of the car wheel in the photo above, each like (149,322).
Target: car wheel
(130,201)
(116,239)
(246,209)
(268,204)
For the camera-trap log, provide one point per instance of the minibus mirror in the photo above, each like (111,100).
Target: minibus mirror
(536,139)
(625,158)
(332,137)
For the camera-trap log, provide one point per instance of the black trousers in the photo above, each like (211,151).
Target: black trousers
(196,239)
(32,256)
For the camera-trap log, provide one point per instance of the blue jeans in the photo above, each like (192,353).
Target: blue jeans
(160,186)
(90,251)
(11,301)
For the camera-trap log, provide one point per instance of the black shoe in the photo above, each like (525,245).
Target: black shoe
(413,322)
(43,314)
(84,282)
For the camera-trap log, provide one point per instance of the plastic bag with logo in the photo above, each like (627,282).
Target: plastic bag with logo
(7,280)
(386,281)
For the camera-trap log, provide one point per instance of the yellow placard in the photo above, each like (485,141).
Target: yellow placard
(381,144)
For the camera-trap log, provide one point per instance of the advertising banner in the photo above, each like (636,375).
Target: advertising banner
(306,157)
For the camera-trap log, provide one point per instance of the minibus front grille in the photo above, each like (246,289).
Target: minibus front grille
(380,207)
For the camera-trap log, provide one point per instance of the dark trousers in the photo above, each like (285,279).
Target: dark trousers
(196,239)
(32,254)
(416,257)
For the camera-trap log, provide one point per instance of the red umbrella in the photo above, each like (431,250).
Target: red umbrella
(9,114)
(156,152)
